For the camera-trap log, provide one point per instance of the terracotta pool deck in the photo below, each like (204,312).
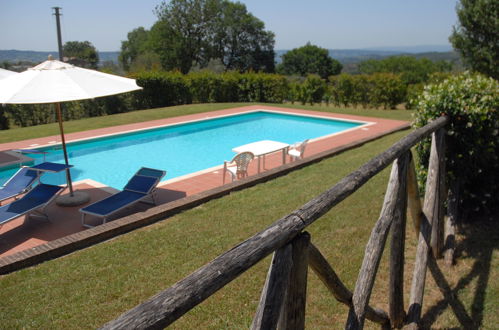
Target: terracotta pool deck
(23,234)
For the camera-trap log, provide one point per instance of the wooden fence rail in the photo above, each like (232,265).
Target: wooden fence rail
(282,303)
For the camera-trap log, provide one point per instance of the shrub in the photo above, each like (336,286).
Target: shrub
(274,88)
(4,119)
(471,102)
(203,85)
(415,90)
(250,87)
(361,86)
(30,114)
(37,114)
(386,89)
(312,90)
(228,91)
(413,93)
(342,89)
(161,89)
(293,93)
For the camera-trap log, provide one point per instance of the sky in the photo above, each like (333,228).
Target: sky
(332,24)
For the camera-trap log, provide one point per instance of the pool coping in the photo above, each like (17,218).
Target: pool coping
(363,124)
(51,141)
(89,237)
(129,128)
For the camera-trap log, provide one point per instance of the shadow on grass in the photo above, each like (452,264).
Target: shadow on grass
(480,240)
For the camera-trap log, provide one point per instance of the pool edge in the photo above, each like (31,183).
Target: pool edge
(74,242)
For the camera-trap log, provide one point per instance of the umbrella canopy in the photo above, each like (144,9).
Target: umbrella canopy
(53,82)
(6,73)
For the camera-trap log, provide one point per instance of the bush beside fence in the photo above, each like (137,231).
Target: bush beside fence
(471,102)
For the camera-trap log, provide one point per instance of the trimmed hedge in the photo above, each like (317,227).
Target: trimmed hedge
(37,114)
(162,89)
(471,101)
(172,88)
(385,90)
(312,90)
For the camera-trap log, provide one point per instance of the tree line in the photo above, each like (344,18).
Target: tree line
(223,37)
(168,88)
(220,35)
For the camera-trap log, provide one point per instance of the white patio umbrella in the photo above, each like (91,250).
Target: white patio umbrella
(6,73)
(53,82)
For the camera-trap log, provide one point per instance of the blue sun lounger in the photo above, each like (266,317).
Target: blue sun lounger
(32,204)
(140,187)
(19,183)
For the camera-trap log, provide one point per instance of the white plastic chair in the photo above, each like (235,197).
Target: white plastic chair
(297,150)
(238,166)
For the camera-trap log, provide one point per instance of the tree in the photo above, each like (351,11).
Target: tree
(475,36)
(146,61)
(182,33)
(413,70)
(5,65)
(309,59)
(136,44)
(193,32)
(81,53)
(240,40)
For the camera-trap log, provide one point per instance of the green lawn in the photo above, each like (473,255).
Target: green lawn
(92,286)
(24,133)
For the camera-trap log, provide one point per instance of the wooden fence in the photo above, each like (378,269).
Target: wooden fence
(283,298)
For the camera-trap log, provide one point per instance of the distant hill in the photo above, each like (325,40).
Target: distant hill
(109,56)
(38,57)
(439,56)
(416,49)
(348,57)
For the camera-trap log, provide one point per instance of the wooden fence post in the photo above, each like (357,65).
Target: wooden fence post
(432,210)
(450,222)
(413,199)
(436,172)
(397,247)
(293,312)
(374,249)
(274,291)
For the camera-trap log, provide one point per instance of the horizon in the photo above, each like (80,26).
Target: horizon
(376,49)
(30,25)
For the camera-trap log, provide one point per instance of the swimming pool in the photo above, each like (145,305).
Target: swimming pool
(181,149)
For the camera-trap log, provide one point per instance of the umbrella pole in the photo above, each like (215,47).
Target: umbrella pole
(61,129)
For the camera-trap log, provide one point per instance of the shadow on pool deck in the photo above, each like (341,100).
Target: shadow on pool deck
(24,233)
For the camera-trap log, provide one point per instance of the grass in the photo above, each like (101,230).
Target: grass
(378,113)
(90,287)
(24,133)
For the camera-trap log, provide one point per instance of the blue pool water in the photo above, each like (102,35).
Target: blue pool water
(180,149)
